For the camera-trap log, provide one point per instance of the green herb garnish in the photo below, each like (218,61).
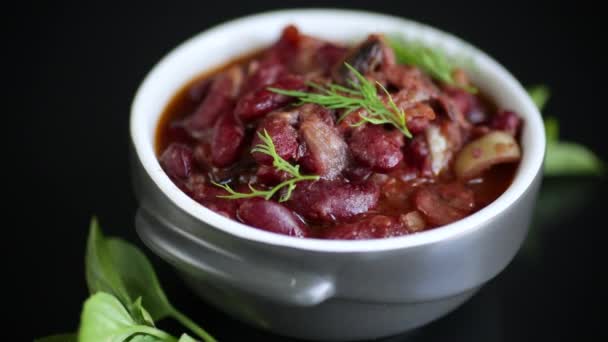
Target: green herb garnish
(361,94)
(563,157)
(540,95)
(121,282)
(268,148)
(432,61)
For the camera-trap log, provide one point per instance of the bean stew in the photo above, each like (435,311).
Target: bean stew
(311,138)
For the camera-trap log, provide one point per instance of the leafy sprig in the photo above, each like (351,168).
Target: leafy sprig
(564,158)
(432,61)
(267,147)
(360,94)
(121,281)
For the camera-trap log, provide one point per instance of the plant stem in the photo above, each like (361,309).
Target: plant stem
(188,323)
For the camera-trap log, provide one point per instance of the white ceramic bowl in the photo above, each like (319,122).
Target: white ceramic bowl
(327,289)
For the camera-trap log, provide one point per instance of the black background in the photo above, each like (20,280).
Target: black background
(74,70)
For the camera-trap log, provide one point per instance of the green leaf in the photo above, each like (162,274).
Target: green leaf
(59,338)
(186,338)
(140,314)
(539,94)
(139,278)
(121,269)
(105,319)
(551,129)
(565,158)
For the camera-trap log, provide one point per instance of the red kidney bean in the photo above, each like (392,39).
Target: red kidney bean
(257,103)
(329,55)
(506,120)
(286,48)
(176,160)
(199,90)
(357,173)
(198,187)
(228,136)
(269,175)
(202,155)
(444,203)
(271,216)
(267,72)
(177,132)
(219,100)
(330,201)
(375,227)
(376,147)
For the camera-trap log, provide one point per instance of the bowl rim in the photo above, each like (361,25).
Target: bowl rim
(530,165)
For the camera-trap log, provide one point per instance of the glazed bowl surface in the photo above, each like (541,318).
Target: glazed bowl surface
(327,289)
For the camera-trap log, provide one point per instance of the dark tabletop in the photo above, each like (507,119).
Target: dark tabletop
(78,68)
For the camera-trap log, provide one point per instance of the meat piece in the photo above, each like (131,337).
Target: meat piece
(375,227)
(326,151)
(376,147)
(444,203)
(258,103)
(228,136)
(219,100)
(506,120)
(330,201)
(279,126)
(411,81)
(176,160)
(271,216)
(419,117)
(468,104)
(366,58)
(413,101)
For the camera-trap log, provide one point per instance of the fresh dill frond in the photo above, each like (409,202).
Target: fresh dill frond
(430,60)
(361,94)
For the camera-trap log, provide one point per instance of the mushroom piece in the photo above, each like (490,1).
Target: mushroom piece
(478,155)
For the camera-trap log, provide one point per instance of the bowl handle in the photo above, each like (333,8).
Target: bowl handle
(274,281)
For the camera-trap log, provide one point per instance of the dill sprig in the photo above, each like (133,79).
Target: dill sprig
(267,147)
(431,61)
(361,94)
